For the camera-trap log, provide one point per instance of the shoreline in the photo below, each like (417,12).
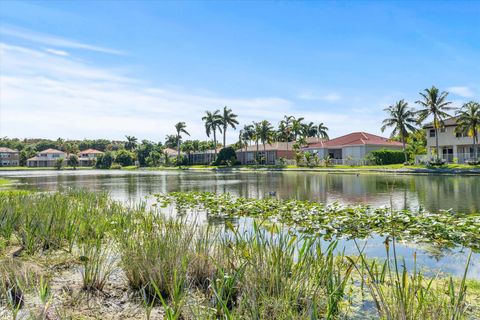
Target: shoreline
(353,170)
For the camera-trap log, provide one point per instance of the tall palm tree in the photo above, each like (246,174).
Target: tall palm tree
(228,119)
(469,121)
(265,130)
(131,143)
(180,128)
(246,136)
(402,119)
(322,131)
(256,137)
(310,129)
(213,121)
(297,127)
(285,129)
(434,103)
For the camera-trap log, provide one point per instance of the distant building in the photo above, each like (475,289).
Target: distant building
(88,158)
(202,157)
(270,155)
(46,158)
(453,145)
(9,157)
(352,148)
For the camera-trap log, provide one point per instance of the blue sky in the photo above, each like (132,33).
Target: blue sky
(106,69)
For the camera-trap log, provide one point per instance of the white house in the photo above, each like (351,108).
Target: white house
(453,146)
(46,158)
(352,148)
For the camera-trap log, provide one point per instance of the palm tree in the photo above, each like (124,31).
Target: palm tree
(256,137)
(180,128)
(297,127)
(246,136)
(322,131)
(228,119)
(402,119)
(213,121)
(285,129)
(310,129)
(469,121)
(265,130)
(434,104)
(131,143)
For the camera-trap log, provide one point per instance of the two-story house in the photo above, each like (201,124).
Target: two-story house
(88,157)
(46,158)
(9,157)
(453,146)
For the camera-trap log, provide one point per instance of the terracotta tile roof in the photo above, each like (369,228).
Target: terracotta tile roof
(90,151)
(50,150)
(355,139)
(8,150)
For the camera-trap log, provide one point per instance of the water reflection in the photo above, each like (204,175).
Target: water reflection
(460,193)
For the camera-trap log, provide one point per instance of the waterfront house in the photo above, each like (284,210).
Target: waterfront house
(46,158)
(202,157)
(88,157)
(352,148)
(9,157)
(453,146)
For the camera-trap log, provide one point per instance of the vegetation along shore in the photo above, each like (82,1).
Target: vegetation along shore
(83,255)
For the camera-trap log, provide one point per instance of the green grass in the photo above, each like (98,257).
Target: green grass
(198,272)
(4,182)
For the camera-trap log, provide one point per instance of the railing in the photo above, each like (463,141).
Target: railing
(449,158)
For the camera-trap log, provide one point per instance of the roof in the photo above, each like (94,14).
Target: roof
(50,150)
(450,122)
(269,147)
(8,150)
(90,151)
(171,152)
(355,139)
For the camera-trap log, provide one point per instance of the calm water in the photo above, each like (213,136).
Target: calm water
(459,193)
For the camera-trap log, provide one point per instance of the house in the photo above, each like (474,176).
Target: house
(453,146)
(270,155)
(9,157)
(202,157)
(351,148)
(46,158)
(275,152)
(88,157)
(172,153)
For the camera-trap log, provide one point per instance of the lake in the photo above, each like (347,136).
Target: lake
(431,192)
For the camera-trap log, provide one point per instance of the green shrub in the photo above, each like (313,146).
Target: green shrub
(104,161)
(385,156)
(226,156)
(125,158)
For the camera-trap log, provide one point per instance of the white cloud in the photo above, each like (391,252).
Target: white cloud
(330,97)
(50,40)
(45,95)
(464,92)
(57,52)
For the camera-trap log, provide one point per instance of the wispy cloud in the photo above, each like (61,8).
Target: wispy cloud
(57,52)
(462,91)
(330,97)
(55,41)
(46,95)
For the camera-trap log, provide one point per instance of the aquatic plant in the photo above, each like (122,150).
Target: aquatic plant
(444,228)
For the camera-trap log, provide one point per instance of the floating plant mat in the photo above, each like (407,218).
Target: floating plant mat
(444,228)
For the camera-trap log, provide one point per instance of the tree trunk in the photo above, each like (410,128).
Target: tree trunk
(178,148)
(404,149)
(475,144)
(215,142)
(256,154)
(265,153)
(435,125)
(224,135)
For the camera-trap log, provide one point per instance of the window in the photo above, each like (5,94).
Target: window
(432,133)
(442,129)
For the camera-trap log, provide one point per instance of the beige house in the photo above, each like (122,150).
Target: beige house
(9,157)
(352,148)
(88,158)
(46,158)
(453,146)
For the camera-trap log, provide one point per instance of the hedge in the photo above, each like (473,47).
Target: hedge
(384,156)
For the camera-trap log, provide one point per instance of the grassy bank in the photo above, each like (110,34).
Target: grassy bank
(83,255)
